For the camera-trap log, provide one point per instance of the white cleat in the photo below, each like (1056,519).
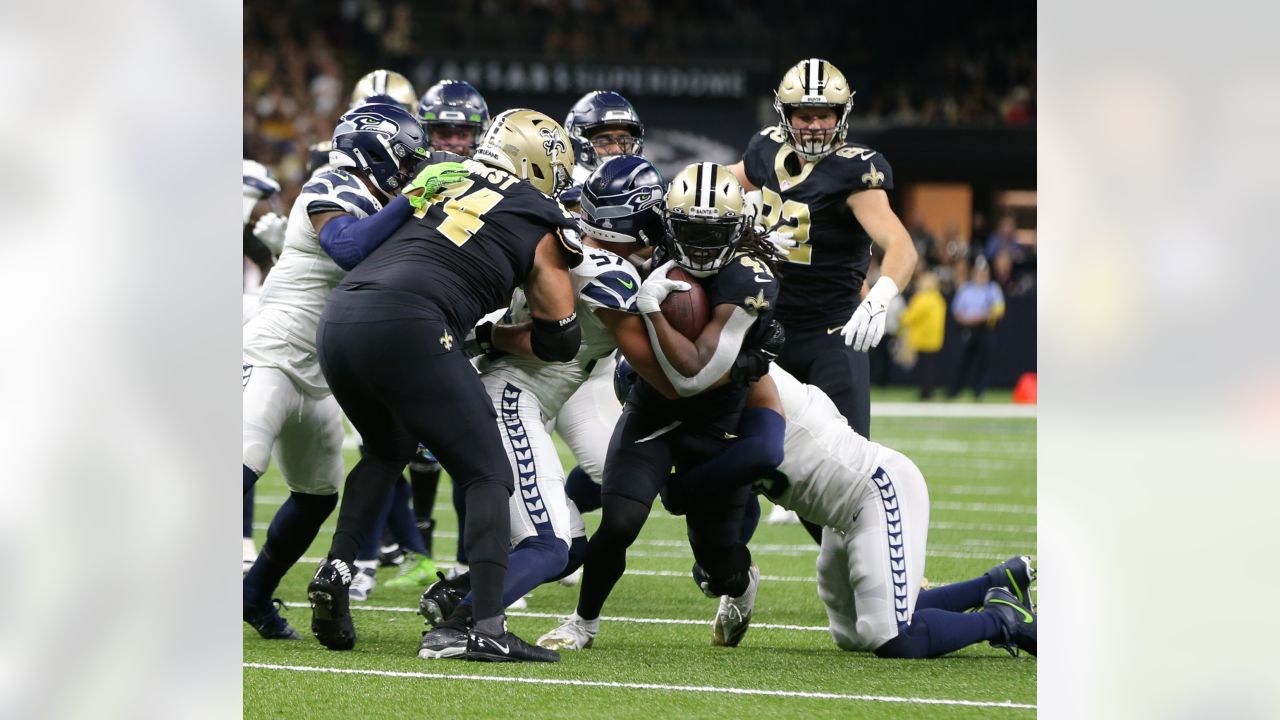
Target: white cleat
(572,578)
(573,634)
(782,516)
(362,584)
(734,616)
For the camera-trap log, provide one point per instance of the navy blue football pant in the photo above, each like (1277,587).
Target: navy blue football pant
(404,382)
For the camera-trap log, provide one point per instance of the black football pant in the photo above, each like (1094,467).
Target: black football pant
(820,358)
(636,468)
(404,382)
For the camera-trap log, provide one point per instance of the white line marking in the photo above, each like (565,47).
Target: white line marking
(951,410)
(985,507)
(646,686)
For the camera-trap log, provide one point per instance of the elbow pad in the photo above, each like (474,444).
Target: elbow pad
(556,340)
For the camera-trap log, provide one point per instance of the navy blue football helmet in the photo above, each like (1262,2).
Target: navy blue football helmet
(454,104)
(622,201)
(383,141)
(598,110)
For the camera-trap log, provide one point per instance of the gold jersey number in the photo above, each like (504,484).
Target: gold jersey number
(463,212)
(789,217)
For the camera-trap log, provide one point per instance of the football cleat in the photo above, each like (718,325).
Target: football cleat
(389,555)
(506,647)
(1017,622)
(330,600)
(268,622)
(573,634)
(734,616)
(439,600)
(362,584)
(1015,575)
(445,640)
(414,573)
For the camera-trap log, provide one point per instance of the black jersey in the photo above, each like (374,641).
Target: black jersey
(751,285)
(458,257)
(823,276)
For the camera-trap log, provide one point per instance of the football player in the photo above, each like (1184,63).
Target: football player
(338,217)
(709,235)
(455,116)
(390,345)
(620,213)
(824,202)
(374,86)
(873,504)
(602,124)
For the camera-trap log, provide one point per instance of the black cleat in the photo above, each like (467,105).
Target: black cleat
(331,606)
(1017,621)
(448,639)
(1015,575)
(268,622)
(439,601)
(505,648)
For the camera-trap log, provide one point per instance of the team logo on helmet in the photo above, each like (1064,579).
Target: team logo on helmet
(552,143)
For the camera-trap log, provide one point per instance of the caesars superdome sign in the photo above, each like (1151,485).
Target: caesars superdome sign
(574,78)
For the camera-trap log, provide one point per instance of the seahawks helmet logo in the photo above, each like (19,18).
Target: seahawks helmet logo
(552,143)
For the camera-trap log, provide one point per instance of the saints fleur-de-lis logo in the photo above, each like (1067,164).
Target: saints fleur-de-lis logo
(552,143)
(874,178)
(756,303)
(446,340)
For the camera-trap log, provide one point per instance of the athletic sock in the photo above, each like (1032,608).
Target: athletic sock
(750,518)
(248,513)
(956,597)
(401,522)
(363,497)
(459,497)
(250,477)
(292,530)
(488,539)
(582,490)
(933,633)
(425,482)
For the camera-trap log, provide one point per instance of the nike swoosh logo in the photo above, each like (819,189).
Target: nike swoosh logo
(506,650)
(766,280)
(866,156)
(627,284)
(831,331)
(1026,616)
(855,515)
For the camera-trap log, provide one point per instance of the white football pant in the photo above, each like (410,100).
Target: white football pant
(305,432)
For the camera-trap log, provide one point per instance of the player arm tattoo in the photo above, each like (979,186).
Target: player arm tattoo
(633,340)
(697,366)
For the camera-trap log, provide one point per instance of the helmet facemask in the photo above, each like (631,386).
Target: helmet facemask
(812,143)
(702,246)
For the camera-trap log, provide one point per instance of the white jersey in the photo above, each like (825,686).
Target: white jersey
(602,280)
(827,464)
(283,333)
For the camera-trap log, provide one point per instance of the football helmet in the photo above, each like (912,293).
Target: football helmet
(597,110)
(531,146)
(383,141)
(622,201)
(385,82)
(704,218)
(454,104)
(814,83)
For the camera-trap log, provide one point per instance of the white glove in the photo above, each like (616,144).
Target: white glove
(656,288)
(866,327)
(270,230)
(783,240)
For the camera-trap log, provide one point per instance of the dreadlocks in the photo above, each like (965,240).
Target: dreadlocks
(755,242)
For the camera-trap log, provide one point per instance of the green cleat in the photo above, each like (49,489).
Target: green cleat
(416,572)
(1015,575)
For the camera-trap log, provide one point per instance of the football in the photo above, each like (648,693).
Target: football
(688,312)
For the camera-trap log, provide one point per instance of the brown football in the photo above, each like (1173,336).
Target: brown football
(688,312)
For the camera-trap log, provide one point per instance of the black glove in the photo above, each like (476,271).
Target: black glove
(753,363)
(480,342)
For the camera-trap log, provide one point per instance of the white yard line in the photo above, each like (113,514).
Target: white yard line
(646,686)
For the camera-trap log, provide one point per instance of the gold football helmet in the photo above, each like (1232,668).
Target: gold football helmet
(531,146)
(814,83)
(389,83)
(705,216)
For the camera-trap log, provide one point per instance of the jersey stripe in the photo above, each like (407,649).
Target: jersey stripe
(356,199)
(604,297)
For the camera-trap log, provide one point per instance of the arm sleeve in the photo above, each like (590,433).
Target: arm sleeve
(731,338)
(348,240)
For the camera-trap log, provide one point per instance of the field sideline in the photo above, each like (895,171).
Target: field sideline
(653,652)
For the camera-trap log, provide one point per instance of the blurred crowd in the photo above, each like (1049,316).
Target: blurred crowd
(949,64)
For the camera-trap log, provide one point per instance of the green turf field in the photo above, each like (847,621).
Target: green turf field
(656,657)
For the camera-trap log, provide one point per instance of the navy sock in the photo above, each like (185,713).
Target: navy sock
(460,507)
(933,633)
(956,597)
(292,530)
(577,554)
(750,518)
(371,543)
(534,561)
(248,512)
(250,477)
(582,490)
(424,479)
(401,520)
(488,539)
